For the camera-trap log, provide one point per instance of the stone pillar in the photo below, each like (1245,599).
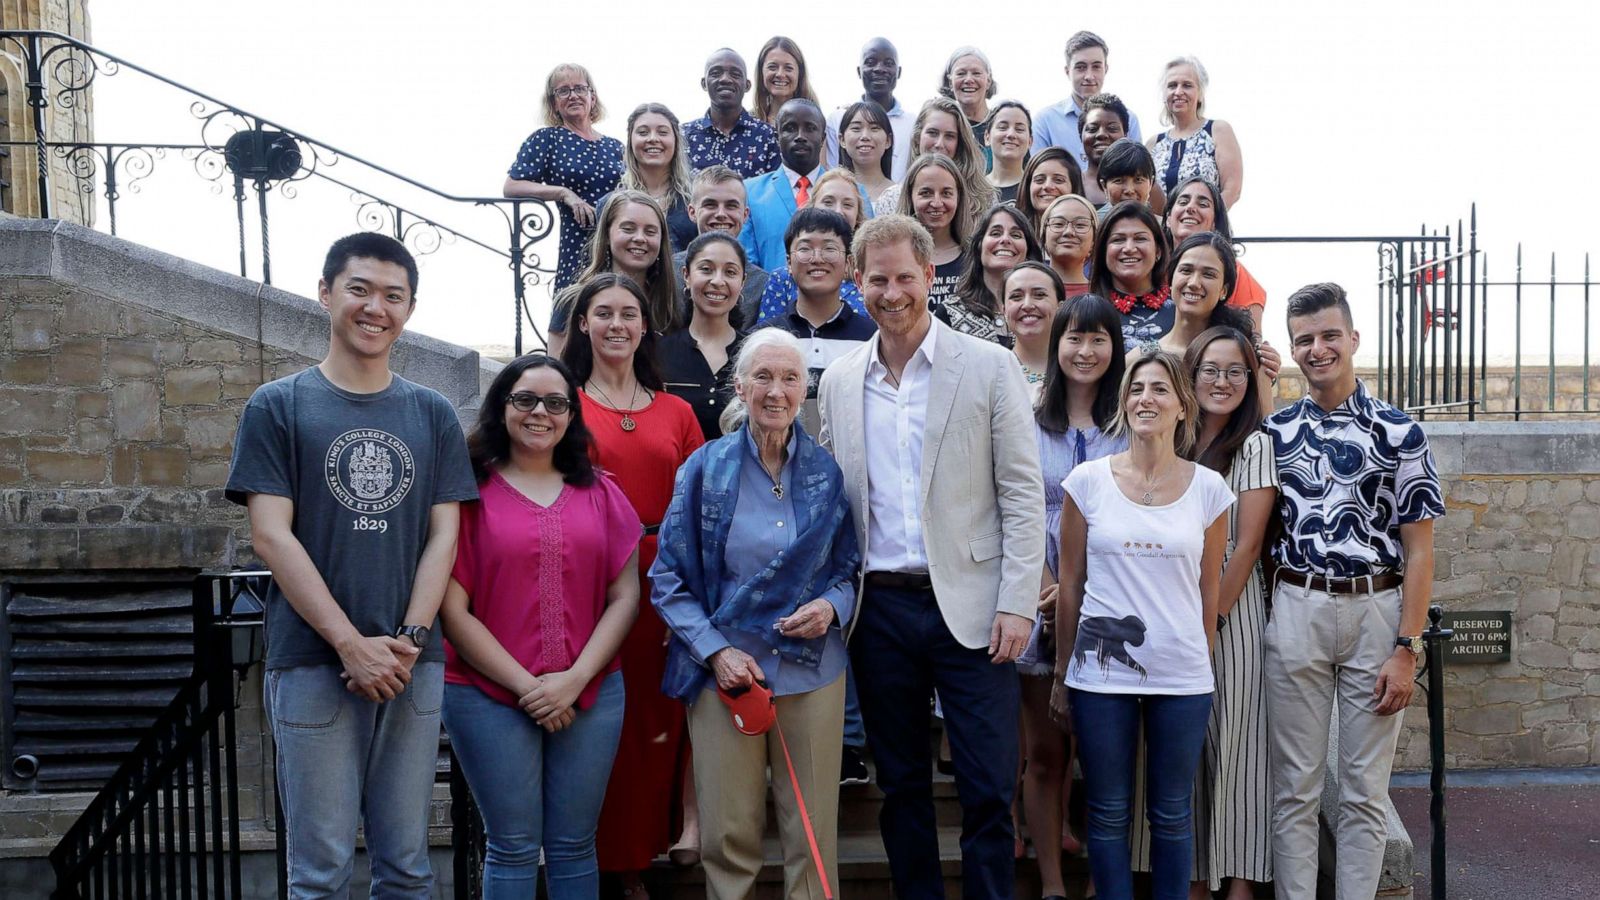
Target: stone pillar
(66,124)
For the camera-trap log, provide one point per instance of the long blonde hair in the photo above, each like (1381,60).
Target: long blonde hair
(678,167)
(659,286)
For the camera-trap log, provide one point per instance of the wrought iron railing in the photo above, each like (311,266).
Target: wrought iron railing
(259,156)
(167,824)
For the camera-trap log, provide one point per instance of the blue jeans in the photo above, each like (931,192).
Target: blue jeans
(518,772)
(343,759)
(902,651)
(855,733)
(1107,726)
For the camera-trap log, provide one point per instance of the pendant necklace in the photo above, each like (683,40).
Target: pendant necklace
(1149,497)
(628,424)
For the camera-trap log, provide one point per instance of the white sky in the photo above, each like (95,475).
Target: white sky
(1354,117)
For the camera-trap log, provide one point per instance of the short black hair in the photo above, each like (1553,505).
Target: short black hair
(816,219)
(1105,101)
(1314,298)
(1125,158)
(369,245)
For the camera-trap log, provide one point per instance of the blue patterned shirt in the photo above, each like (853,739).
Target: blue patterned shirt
(1350,478)
(781,292)
(750,149)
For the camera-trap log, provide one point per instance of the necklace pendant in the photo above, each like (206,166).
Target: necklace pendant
(628,424)
(777,491)
(1148,499)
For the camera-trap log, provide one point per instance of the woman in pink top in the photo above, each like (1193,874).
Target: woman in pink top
(545,587)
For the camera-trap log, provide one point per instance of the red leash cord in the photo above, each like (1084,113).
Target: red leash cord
(805,817)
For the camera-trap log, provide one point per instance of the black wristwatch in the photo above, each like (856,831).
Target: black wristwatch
(1414,644)
(416,634)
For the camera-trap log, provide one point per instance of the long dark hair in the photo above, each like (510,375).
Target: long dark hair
(1025,196)
(874,112)
(1222,313)
(700,242)
(579,355)
(1219,211)
(1245,420)
(1083,313)
(1100,280)
(489,444)
(972,291)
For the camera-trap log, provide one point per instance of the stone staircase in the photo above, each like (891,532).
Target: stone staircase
(863,866)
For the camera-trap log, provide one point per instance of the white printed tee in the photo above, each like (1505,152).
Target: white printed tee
(1141,629)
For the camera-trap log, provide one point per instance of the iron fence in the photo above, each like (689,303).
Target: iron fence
(259,158)
(167,822)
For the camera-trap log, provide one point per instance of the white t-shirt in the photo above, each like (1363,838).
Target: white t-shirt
(1140,630)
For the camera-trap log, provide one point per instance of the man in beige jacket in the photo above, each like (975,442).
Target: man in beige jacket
(933,431)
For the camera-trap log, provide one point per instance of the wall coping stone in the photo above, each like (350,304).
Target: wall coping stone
(173,287)
(1515,448)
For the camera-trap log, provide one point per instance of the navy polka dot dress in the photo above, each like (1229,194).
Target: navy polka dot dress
(590,169)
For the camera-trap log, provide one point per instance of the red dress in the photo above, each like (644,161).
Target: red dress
(641,801)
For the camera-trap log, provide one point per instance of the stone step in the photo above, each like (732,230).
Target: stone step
(863,872)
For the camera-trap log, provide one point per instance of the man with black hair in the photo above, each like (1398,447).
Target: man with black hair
(353,477)
(1057,125)
(728,135)
(1359,496)
(879,72)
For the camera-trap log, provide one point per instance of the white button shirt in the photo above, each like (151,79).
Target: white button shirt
(893,421)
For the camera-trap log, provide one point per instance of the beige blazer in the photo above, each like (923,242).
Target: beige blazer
(982,495)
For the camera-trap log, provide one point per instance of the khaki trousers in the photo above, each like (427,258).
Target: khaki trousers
(1322,652)
(730,780)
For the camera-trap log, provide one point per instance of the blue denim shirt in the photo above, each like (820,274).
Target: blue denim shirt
(759,533)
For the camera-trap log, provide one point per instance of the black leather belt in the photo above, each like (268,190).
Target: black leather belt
(1366,584)
(899,581)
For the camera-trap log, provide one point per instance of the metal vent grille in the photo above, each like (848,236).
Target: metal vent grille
(88,670)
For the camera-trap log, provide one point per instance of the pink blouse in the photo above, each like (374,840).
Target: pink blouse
(536,576)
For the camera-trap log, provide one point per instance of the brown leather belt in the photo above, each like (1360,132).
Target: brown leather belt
(1366,584)
(899,581)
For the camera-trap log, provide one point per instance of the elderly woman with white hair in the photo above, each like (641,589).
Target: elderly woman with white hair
(969,80)
(754,580)
(1194,144)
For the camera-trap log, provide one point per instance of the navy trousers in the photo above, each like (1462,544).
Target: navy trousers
(902,651)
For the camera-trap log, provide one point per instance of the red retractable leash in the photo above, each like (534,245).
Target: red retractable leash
(755,711)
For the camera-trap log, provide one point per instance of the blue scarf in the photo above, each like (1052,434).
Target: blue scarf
(694,537)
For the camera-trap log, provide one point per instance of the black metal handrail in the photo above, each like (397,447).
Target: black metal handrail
(167,822)
(260,152)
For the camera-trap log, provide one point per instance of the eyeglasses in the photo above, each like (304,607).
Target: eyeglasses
(827,251)
(572,90)
(1234,374)
(1079,225)
(527,401)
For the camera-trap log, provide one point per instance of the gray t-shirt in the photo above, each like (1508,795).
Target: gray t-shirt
(364,471)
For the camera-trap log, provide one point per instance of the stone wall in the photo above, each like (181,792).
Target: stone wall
(1520,534)
(67,124)
(1498,396)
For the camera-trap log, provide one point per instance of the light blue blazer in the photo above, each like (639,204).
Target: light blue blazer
(771,203)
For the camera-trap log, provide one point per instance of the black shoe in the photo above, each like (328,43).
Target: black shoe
(852,768)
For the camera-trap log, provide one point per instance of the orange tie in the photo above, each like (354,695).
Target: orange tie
(800,192)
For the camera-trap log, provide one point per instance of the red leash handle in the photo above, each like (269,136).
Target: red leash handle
(805,817)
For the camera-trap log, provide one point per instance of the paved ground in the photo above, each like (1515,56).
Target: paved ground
(1509,838)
